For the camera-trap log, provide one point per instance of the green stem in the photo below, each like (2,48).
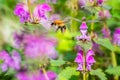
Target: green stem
(92,24)
(84,67)
(114,63)
(113,56)
(84,76)
(44,71)
(29,8)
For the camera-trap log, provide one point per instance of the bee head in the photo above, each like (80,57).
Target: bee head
(52,24)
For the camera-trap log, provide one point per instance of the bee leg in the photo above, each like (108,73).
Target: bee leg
(64,27)
(58,29)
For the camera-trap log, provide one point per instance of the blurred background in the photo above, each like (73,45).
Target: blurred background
(66,46)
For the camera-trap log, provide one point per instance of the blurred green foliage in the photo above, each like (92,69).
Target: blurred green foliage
(65,42)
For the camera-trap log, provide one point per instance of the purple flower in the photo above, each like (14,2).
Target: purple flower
(22,76)
(36,75)
(16,60)
(99,2)
(51,75)
(83,30)
(83,26)
(38,46)
(96,47)
(18,38)
(40,11)
(4,56)
(82,3)
(106,32)
(22,12)
(116,36)
(89,60)
(104,14)
(10,61)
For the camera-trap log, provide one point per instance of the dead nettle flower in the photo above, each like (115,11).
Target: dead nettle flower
(22,11)
(106,32)
(40,11)
(84,57)
(39,46)
(12,61)
(18,38)
(96,2)
(88,62)
(36,75)
(100,2)
(96,48)
(82,3)
(83,30)
(104,14)
(116,37)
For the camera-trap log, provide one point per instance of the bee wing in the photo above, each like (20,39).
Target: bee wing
(90,21)
(71,18)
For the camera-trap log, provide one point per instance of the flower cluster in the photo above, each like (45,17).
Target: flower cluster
(104,14)
(84,60)
(116,37)
(83,30)
(12,61)
(84,3)
(106,32)
(89,60)
(36,46)
(23,12)
(38,75)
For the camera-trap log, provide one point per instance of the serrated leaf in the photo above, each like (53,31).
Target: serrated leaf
(67,73)
(106,43)
(57,62)
(113,70)
(99,73)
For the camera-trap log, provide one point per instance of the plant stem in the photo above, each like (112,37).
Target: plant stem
(44,71)
(114,63)
(84,67)
(29,8)
(113,56)
(84,76)
(92,24)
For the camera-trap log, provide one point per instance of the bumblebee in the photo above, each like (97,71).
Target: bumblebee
(60,25)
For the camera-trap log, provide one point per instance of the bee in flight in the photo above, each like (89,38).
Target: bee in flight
(60,25)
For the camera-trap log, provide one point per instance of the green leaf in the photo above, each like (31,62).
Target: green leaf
(67,73)
(113,70)
(106,43)
(99,73)
(57,62)
(117,49)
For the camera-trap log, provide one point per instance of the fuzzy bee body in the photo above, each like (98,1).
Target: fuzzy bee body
(60,25)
